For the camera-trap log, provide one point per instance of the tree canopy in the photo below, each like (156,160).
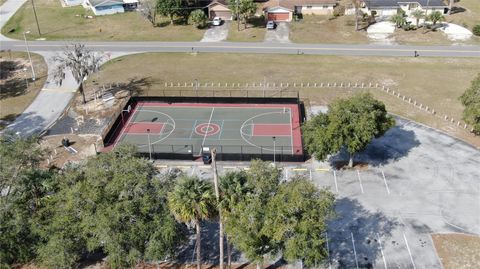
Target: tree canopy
(266,216)
(23,187)
(471,101)
(349,123)
(112,204)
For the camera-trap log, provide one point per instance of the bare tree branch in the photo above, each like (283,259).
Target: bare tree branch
(81,61)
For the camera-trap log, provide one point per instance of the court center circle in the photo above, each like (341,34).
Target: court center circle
(207,129)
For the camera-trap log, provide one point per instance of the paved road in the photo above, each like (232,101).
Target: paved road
(232,47)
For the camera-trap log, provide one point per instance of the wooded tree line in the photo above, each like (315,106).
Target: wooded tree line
(190,11)
(116,204)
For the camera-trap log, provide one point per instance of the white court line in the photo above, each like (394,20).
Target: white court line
(409,252)
(124,127)
(354,250)
(291,127)
(208,128)
(328,251)
(360,180)
(385,181)
(381,251)
(335,178)
(161,130)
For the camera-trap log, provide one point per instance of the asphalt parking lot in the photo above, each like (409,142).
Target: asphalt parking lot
(419,182)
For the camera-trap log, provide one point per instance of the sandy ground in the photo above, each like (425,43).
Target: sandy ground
(59,156)
(458,251)
(381,32)
(456,32)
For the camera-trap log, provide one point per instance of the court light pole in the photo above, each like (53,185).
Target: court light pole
(149,147)
(28,52)
(274,150)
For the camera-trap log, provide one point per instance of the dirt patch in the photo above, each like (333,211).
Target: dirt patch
(458,251)
(84,145)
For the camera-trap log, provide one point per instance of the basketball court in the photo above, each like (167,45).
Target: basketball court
(185,128)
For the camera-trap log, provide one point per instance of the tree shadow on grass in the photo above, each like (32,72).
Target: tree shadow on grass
(210,247)
(134,86)
(366,228)
(391,147)
(7,68)
(13,87)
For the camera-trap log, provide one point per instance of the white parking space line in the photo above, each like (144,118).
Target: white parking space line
(310,174)
(328,251)
(354,250)
(335,178)
(385,181)
(409,252)
(360,180)
(381,251)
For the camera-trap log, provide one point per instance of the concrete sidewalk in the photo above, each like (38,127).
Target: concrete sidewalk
(7,10)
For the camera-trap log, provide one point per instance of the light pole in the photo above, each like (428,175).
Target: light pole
(28,52)
(274,150)
(25,74)
(149,147)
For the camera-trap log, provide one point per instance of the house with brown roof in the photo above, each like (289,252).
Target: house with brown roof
(283,10)
(219,8)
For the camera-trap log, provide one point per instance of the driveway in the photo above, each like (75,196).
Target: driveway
(216,33)
(279,35)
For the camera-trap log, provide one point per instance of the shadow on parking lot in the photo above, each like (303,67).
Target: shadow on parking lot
(393,146)
(210,248)
(357,226)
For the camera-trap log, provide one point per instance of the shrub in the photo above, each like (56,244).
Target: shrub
(476,30)
(198,18)
(339,11)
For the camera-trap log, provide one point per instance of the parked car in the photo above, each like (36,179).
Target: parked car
(217,21)
(271,25)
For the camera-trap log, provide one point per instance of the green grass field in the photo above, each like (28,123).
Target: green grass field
(58,23)
(15,96)
(434,82)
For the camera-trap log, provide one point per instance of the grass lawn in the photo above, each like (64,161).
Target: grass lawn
(255,31)
(458,251)
(14,95)
(466,13)
(2,2)
(326,29)
(431,81)
(58,23)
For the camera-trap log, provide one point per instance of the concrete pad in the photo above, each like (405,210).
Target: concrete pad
(381,32)
(279,34)
(216,33)
(456,32)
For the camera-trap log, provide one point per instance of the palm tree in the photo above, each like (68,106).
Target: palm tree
(418,14)
(436,17)
(192,201)
(399,20)
(233,188)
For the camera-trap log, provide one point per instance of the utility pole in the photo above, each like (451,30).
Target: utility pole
(238,16)
(217,194)
(36,19)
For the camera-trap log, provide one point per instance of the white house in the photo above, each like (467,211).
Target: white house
(283,10)
(106,7)
(391,7)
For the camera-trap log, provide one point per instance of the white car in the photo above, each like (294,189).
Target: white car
(217,21)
